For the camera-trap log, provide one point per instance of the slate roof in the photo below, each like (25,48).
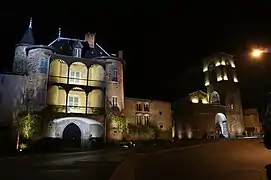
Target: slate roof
(28,37)
(66,45)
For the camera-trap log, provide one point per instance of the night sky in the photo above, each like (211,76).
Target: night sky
(163,43)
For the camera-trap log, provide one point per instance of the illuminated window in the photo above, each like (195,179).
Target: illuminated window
(75,76)
(217,63)
(219,78)
(225,77)
(223,63)
(73,102)
(231,106)
(195,100)
(146,107)
(114,101)
(207,83)
(115,76)
(146,119)
(204,101)
(138,107)
(235,79)
(77,52)
(232,64)
(138,119)
(205,68)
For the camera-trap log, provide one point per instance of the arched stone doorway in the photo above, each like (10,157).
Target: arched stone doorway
(71,136)
(221,124)
(88,128)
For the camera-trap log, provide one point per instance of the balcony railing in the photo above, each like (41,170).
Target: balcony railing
(78,109)
(76,81)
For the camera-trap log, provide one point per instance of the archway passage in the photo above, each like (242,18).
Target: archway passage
(221,125)
(71,136)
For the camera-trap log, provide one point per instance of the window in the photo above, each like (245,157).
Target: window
(146,119)
(146,107)
(73,102)
(161,126)
(138,107)
(231,106)
(138,119)
(75,76)
(115,76)
(77,52)
(114,101)
(160,112)
(43,66)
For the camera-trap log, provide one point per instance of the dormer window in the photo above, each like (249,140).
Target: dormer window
(77,49)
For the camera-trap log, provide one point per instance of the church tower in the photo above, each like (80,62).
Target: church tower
(222,89)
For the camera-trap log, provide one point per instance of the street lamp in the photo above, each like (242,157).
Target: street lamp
(257,53)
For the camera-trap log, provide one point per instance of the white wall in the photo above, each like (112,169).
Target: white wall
(12,91)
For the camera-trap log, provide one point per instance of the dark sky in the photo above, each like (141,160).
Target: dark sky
(164,43)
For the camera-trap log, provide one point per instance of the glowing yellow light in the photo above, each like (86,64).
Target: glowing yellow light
(205,69)
(207,83)
(223,62)
(219,78)
(204,101)
(235,79)
(195,100)
(217,64)
(257,53)
(232,64)
(225,77)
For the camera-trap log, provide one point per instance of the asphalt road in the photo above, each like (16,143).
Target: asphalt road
(97,165)
(69,166)
(223,160)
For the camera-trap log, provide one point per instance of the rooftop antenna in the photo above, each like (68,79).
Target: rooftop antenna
(30,23)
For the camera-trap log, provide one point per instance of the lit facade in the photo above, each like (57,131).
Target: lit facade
(78,81)
(219,110)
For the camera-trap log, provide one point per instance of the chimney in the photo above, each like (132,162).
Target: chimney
(120,54)
(90,38)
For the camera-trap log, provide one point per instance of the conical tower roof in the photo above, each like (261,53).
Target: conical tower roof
(28,37)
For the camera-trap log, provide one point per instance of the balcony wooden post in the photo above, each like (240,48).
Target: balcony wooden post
(68,78)
(86,103)
(67,99)
(87,76)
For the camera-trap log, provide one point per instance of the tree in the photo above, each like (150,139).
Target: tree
(26,124)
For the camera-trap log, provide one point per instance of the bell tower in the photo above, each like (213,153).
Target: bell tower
(222,86)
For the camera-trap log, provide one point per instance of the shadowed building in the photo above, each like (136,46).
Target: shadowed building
(252,122)
(217,112)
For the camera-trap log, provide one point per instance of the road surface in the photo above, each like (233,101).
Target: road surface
(67,166)
(223,160)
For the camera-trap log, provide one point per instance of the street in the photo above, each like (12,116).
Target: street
(84,165)
(224,160)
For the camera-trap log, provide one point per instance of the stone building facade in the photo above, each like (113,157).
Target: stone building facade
(252,123)
(145,112)
(73,83)
(218,111)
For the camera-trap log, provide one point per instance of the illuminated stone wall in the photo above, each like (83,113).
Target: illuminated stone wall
(159,114)
(37,81)
(114,89)
(12,96)
(88,127)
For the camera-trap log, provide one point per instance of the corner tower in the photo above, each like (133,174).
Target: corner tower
(19,63)
(33,61)
(222,88)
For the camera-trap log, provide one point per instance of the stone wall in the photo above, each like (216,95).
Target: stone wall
(252,121)
(159,114)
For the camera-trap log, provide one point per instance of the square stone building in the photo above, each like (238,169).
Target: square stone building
(145,112)
(217,112)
